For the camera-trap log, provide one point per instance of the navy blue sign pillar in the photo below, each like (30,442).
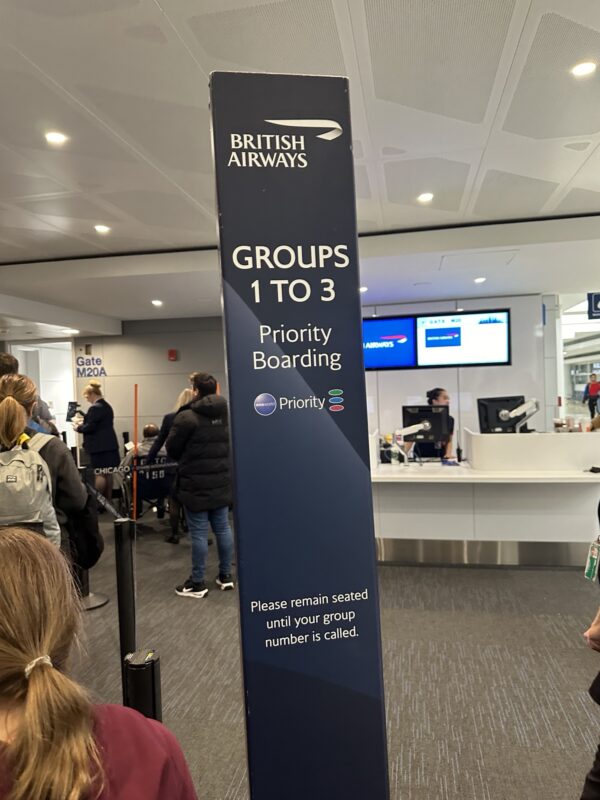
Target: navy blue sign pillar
(594,305)
(303,507)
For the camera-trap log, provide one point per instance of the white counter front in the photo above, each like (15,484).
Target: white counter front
(546,500)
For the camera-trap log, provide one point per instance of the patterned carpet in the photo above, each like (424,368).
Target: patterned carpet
(486,676)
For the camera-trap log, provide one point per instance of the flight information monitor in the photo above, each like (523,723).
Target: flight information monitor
(470,338)
(389,343)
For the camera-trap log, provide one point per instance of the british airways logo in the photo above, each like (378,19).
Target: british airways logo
(442,337)
(287,150)
(335,129)
(386,342)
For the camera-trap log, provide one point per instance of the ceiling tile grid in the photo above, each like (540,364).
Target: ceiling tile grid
(471,100)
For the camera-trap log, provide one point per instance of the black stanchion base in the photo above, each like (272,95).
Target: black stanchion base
(94,600)
(141,683)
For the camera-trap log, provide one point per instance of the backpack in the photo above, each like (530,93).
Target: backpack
(26,488)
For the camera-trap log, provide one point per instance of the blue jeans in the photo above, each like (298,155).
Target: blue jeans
(198,526)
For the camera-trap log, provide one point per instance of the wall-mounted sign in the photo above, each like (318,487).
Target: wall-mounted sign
(594,305)
(89,367)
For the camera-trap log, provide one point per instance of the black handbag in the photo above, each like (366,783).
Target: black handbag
(85,539)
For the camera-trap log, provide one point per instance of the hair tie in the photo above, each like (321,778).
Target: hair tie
(35,663)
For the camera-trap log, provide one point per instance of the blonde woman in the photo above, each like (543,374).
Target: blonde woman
(54,744)
(18,395)
(99,437)
(183,401)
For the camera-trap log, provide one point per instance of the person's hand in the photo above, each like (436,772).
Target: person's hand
(592,636)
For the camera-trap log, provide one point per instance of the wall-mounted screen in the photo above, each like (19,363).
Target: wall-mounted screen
(467,339)
(389,343)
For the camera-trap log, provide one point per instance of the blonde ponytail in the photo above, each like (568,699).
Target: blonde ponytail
(53,755)
(13,421)
(17,397)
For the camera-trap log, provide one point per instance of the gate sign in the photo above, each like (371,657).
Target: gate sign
(303,503)
(90,367)
(594,305)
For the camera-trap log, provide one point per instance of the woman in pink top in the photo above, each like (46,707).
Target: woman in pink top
(54,744)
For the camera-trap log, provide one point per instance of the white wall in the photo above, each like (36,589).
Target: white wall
(389,390)
(56,384)
(140,356)
(50,366)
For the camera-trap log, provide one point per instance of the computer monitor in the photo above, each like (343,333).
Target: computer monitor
(434,421)
(493,414)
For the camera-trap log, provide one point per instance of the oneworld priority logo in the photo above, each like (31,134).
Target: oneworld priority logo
(265,404)
(336,399)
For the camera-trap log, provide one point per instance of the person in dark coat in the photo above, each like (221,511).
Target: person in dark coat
(99,438)
(199,442)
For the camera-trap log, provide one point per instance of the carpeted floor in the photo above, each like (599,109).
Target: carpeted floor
(486,676)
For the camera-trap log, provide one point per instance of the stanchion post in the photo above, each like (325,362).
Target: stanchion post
(124,563)
(89,600)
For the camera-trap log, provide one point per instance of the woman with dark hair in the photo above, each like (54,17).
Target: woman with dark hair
(54,743)
(442,449)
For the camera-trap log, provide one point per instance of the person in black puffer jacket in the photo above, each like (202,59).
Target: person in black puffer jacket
(199,442)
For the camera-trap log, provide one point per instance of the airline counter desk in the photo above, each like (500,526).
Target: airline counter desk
(520,500)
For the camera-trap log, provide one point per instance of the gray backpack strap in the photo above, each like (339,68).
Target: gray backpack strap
(38,441)
(35,444)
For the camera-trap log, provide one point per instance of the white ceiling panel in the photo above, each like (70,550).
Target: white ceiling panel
(169,132)
(580,201)
(71,8)
(284,36)
(160,209)
(36,108)
(421,51)
(549,103)
(471,100)
(443,178)
(20,185)
(76,207)
(506,195)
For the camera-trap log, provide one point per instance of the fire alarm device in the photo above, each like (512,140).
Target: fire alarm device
(172,355)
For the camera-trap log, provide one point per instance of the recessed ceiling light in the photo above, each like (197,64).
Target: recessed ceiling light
(480,280)
(425,197)
(157,303)
(71,331)
(458,310)
(374,315)
(584,68)
(56,138)
(103,229)
(364,289)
